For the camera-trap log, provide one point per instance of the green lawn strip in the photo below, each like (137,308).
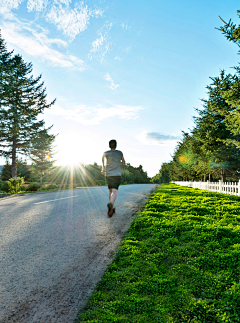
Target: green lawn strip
(180,262)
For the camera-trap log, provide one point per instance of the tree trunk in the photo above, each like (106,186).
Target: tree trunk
(223,176)
(41,181)
(204,177)
(210,177)
(14,161)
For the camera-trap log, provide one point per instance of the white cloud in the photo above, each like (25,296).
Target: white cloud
(128,49)
(92,116)
(7,5)
(123,52)
(37,5)
(108,78)
(72,21)
(97,44)
(104,51)
(23,36)
(125,26)
(66,2)
(101,45)
(156,138)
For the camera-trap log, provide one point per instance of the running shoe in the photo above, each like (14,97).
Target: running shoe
(114,211)
(110,210)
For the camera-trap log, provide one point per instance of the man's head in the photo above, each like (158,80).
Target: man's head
(113,144)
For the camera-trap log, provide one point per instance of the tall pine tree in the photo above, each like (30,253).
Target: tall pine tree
(231,94)
(22,99)
(212,132)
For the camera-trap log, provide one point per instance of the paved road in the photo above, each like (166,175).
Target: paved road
(54,247)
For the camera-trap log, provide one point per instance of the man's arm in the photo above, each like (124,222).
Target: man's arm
(123,161)
(103,165)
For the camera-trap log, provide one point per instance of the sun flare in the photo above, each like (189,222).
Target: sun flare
(79,149)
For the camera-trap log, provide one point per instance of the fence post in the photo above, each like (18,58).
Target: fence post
(239,188)
(207,186)
(220,186)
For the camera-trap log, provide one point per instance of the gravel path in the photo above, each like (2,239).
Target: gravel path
(54,248)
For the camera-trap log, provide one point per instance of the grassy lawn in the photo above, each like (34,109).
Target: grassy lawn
(180,262)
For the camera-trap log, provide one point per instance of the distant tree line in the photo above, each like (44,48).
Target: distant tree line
(211,150)
(67,176)
(132,175)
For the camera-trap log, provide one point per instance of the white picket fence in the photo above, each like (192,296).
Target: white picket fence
(232,188)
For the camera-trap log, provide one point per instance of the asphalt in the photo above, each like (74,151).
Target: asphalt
(54,248)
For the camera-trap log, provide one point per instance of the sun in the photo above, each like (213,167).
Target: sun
(69,159)
(73,149)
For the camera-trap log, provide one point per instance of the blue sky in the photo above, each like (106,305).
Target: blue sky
(127,70)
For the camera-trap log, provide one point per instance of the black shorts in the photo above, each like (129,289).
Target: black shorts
(113,181)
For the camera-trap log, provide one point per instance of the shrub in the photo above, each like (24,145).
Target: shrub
(14,184)
(33,187)
(4,186)
(50,187)
(101,182)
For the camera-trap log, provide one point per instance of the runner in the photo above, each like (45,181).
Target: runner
(113,173)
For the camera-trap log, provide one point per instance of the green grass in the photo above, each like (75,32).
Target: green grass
(180,262)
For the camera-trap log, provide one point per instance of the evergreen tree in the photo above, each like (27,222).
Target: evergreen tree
(6,172)
(209,149)
(41,151)
(231,93)
(212,148)
(134,174)
(5,66)
(212,133)
(22,99)
(164,175)
(184,159)
(229,88)
(23,170)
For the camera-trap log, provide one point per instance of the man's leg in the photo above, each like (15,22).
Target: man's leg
(113,196)
(113,184)
(110,193)
(110,206)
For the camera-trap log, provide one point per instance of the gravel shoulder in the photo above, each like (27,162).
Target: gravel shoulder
(54,248)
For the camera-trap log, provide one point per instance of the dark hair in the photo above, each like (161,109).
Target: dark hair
(112,143)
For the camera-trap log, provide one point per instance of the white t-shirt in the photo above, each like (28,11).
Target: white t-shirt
(114,158)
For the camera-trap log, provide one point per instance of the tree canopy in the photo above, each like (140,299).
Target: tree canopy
(211,149)
(22,99)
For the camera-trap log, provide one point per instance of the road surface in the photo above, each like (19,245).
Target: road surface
(54,247)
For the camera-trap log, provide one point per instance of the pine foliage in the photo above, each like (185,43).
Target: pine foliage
(22,99)
(41,153)
(211,149)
